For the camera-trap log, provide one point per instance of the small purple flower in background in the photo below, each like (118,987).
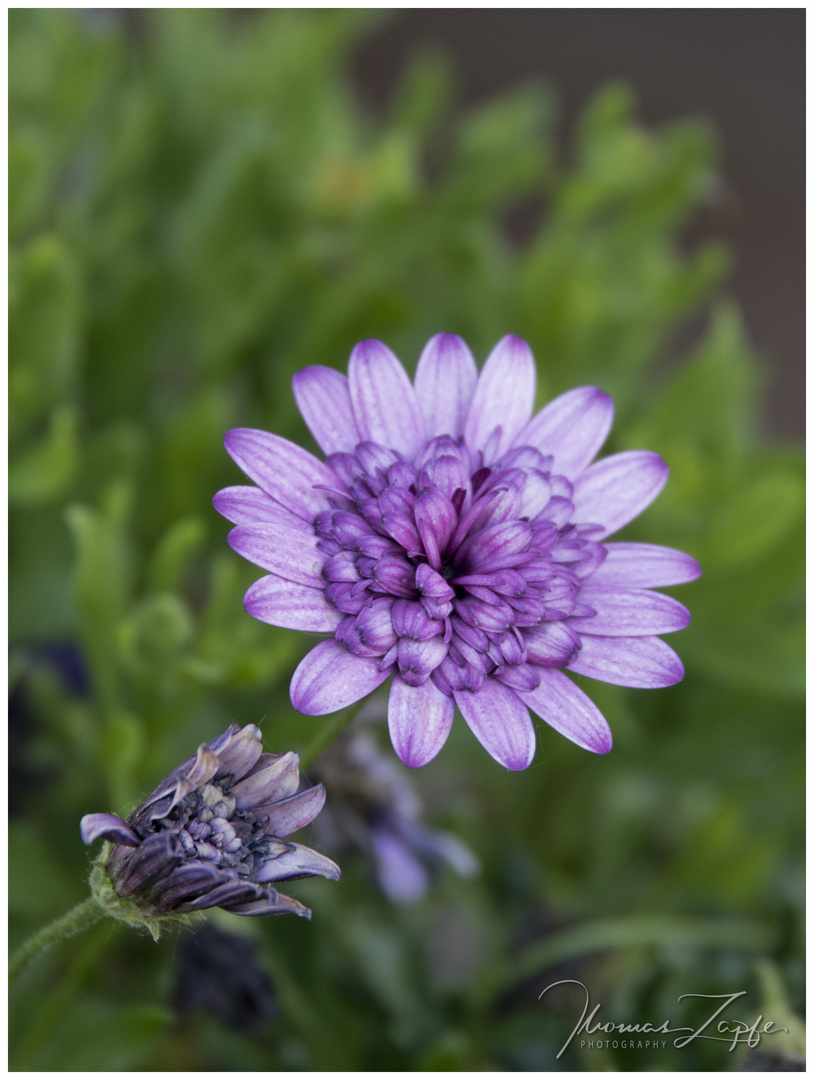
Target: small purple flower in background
(211,835)
(457,543)
(376,809)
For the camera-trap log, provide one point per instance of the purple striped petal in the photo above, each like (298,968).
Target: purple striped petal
(288,815)
(645,662)
(289,553)
(330,677)
(444,384)
(504,396)
(571,712)
(282,469)
(551,644)
(238,750)
(418,659)
(501,723)
(234,891)
(647,566)
(277,904)
(616,489)
(629,612)
(279,602)
(572,427)
(298,862)
(384,402)
(112,828)
(243,505)
(323,398)
(274,777)
(536,493)
(419,718)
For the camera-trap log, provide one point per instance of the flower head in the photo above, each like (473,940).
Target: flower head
(211,835)
(456,543)
(376,808)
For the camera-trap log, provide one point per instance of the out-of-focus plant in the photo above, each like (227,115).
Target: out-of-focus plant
(199,208)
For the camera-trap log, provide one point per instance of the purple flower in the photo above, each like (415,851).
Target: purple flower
(211,835)
(376,808)
(456,542)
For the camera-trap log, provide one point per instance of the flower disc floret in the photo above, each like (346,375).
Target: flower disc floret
(457,543)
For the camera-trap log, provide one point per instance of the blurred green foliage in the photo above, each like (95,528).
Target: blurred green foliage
(198,208)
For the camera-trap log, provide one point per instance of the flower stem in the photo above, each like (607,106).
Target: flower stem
(72,922)
(334,728)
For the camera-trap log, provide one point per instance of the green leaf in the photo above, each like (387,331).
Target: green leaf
(45,317)
(755,519)
(45,471)
(180,542)
(709,404)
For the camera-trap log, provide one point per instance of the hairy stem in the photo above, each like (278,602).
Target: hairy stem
(72,922)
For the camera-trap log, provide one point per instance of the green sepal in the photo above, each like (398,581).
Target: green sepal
(127,910)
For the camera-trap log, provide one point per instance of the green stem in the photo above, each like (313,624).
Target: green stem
(72,922)
(332,730)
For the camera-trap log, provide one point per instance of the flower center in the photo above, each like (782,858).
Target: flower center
(447,568)
(210,828)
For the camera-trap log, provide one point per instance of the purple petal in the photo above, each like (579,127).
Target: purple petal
(274,600)
(282,469)
(535,496)
(572,427)
(184,886)
(298,862)
(500,722)
(384,402)
(418,659)
(158,855)
(410,620)
(419,718)
(290,553)
(645,565)
(288,815)
(186,779)
(402,877)
(518,677)
(564,706)
(616,489)
(323,398)
(646,662)
(275,904)
(551,644)
(94,826)
(274,777)
(238,750)
(629,612)
(504,396)
(243,505)
(444,384)
(330,677)
(228,892)
(435,519)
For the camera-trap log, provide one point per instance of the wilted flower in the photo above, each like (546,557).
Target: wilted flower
(211,835)
(456,543)
(221,974)
(376,809)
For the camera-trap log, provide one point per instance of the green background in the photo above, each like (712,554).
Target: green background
(199,208)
